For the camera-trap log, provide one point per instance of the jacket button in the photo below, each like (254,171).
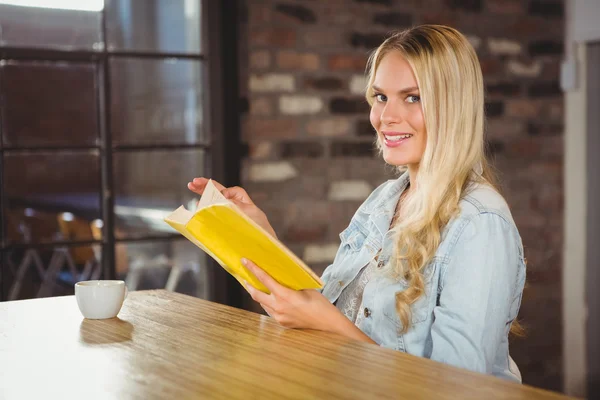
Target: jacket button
(341,283)
(380,264)
(367,312)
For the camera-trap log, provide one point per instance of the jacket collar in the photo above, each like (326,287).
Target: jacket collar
(383,209)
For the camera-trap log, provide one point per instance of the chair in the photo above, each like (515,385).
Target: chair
(71,228)
(134,266)
(120,251)
(177,270)
(133,269)
(27,226)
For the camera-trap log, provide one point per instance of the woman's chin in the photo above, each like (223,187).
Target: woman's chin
(395,159)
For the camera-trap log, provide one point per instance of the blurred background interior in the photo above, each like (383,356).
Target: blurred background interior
(109,107)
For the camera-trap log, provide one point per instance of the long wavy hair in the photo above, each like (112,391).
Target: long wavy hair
(451,89)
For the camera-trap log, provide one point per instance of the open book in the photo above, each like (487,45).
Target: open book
(226,234)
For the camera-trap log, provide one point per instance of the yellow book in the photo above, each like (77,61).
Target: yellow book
(226,234)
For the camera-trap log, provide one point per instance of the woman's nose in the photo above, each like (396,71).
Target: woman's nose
(391,115)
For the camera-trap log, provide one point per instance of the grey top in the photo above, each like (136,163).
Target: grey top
(350,300)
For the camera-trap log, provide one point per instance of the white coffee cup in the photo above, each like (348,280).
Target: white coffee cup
(100,299)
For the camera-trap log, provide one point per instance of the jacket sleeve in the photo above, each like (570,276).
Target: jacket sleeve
(478,289)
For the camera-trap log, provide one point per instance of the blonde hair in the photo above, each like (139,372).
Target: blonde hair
(451,88)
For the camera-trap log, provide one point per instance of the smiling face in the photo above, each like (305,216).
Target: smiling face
(396,112)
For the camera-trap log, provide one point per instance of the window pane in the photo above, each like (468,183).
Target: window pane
(41,187)
(65,29)
(151,184)
(49,271)
(156,101)
(176,265)
(49,104)
(165,26)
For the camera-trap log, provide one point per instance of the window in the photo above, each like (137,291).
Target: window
(106,114)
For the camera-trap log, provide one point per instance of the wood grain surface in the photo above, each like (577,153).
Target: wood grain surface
(168,345)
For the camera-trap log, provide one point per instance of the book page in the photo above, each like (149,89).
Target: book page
(181,216)
(211,196)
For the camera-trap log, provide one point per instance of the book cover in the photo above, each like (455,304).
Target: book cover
(225,233)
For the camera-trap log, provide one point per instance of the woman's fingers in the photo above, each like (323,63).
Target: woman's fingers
(237,193)
(270,283)
(197,185)
(269,310)
(259,296)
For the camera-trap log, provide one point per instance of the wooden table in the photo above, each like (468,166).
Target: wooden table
(168,345)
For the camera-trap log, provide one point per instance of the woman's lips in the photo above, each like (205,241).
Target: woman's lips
(395,139)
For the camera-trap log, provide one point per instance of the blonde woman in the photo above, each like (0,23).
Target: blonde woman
(431,263)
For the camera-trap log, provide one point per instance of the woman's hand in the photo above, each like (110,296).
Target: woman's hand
(307,309)
(237,196)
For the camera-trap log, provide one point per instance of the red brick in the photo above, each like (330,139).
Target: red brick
(548,171)
(301,227)
(315,233)
(505,129)
(259,14)
(271,128)
(554,110)
(260,150)
(347,62)
(506,6)
(260,59)
(553,148)
(321,38)
(524,27)
(440,18)
(523,108)
(329,127)
(272,37)
(297,60)
(261,106)
(534,28)
(551,70)
(548,199)
(341,13)
(528,147)
(294,14)
(491,67)
(526,218)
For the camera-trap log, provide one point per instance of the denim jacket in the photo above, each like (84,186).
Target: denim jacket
(473,285)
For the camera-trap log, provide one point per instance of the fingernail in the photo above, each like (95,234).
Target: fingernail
(244,261)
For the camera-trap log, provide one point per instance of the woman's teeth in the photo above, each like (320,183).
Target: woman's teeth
(395,138)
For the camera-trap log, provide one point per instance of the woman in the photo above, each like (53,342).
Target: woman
(431,263)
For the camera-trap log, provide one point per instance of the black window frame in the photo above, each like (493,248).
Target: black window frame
(219,30)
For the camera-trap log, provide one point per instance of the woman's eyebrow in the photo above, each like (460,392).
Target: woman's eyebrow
(403,91)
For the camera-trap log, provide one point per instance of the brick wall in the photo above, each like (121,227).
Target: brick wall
(310,160)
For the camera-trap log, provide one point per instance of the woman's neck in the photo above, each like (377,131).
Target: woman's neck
(413,170)
(403,196)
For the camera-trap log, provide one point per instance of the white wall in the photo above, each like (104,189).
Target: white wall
(581,26)
(574,250)
(586,14)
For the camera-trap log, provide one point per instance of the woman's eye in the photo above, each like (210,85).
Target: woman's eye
(380,97)
(413,99)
